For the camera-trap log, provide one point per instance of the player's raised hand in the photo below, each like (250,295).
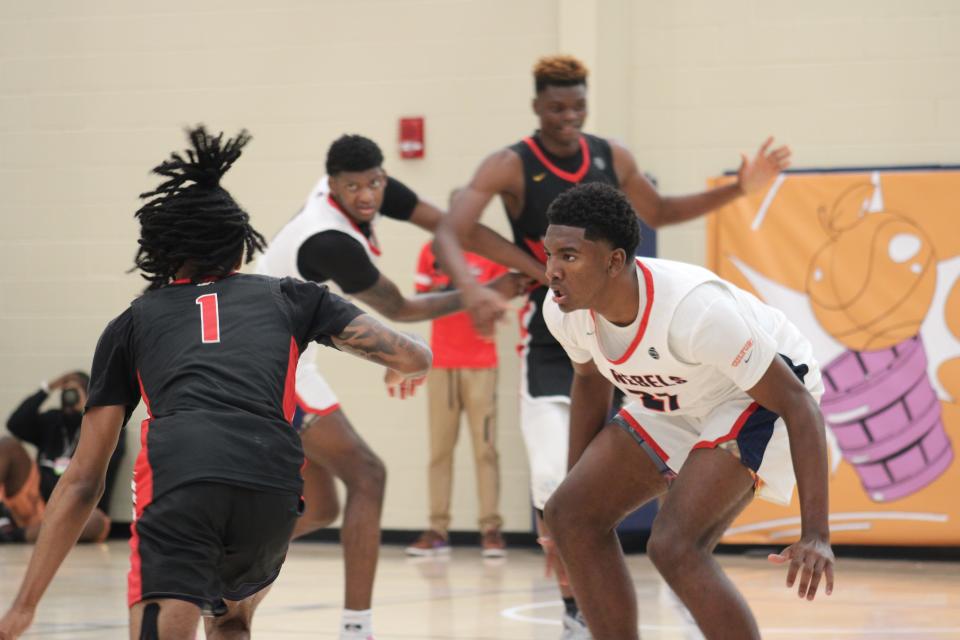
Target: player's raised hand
(401,386)
(511,285)
(14,622)
(811,558)
(486,306)
(755,174)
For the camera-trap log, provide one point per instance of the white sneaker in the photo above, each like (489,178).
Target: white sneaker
(575,628)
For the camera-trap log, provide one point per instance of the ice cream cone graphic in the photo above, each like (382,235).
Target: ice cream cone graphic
(870,287)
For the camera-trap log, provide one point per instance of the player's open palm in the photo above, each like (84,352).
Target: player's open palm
(754,174)
(14,622)
(810,558)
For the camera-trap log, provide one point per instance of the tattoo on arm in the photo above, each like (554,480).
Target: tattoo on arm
(370,339)
(385,297)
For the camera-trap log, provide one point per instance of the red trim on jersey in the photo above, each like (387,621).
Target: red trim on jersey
(371,241)
(143,496)
(207,279)
(313,410)
(290,383)
(630,420)
(575,177)
(536,247)
(648,282)
(733,433)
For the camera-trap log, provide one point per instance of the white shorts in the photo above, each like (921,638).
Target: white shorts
(545,424)
(757,436)
(314,395)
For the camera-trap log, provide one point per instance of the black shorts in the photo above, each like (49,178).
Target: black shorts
(206,542)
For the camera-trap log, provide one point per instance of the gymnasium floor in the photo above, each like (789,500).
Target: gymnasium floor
(466,598)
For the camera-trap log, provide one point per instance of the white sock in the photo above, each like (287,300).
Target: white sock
(356,624)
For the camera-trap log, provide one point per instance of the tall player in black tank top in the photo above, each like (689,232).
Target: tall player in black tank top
(213,355)
(526,177)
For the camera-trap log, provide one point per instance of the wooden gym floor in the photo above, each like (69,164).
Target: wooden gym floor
(467,598)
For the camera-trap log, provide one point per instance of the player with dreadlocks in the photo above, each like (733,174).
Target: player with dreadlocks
(528,176)
(212,353)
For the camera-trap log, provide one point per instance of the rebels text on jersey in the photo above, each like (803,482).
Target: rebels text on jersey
(214,363)
(650,372)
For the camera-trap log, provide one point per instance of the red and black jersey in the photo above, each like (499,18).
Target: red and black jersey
(215,364)
(545,176)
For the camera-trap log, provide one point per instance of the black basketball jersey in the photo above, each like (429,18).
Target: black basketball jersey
(215,364)
(545,176)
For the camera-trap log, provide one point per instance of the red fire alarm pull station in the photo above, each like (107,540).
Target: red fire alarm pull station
(411,137)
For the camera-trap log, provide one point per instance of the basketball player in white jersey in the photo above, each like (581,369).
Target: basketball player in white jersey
(722,404)
(332,240)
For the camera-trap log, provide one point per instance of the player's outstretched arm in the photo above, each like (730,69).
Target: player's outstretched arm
(656,210)
(811,557)
(70,506)
(386,298)
(591,396)
(372,340)
(500,174)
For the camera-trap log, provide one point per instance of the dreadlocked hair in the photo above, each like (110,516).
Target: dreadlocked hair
(558,71)
(190,219)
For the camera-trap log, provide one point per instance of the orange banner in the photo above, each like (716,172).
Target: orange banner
(867,265)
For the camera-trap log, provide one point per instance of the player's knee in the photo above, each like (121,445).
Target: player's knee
(232,626)
(370,476)
(558,515)
(669,546)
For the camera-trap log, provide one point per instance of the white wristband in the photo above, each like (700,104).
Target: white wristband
(45,387)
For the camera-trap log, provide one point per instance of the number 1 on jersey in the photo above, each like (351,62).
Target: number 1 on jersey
(209,318)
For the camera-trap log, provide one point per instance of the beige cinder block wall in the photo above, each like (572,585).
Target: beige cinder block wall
(93,95)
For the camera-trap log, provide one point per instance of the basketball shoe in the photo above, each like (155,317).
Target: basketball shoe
(575,628)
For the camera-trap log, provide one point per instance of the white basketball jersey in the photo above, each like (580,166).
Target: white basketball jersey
(320,213)
(648,372)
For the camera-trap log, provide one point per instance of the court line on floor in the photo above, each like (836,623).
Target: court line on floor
(517,614)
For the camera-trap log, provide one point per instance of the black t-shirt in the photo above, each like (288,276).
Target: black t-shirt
(333,255)
(215,363)
(55,434)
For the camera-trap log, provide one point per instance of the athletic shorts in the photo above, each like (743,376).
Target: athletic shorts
(545,423)
(206,542)
(754,434)
(27,505)
(314,395)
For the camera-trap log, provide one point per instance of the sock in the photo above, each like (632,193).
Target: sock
(357,623)
(570,604)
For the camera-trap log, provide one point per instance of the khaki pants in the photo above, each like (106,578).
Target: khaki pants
(450,393)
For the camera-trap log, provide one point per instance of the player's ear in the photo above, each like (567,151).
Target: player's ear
(616,261)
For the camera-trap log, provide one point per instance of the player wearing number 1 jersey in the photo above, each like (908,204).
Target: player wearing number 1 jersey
(722,401)
(213,355)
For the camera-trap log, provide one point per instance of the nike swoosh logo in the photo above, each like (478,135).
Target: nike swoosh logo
(747,359)
(540,176)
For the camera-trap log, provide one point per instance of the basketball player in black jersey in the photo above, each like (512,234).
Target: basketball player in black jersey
(527,176)
(213,355)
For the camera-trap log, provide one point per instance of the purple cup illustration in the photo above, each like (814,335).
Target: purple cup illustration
(887,419)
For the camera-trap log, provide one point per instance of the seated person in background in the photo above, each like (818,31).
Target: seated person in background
(25,485)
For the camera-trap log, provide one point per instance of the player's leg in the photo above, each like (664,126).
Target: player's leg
(545,428)
(479,390)
(322,506)
(163,619)
(331,441)
(237,622)
(711,490)
(614,476)
(256,538)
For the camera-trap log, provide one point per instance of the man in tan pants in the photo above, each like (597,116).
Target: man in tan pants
(463,380)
